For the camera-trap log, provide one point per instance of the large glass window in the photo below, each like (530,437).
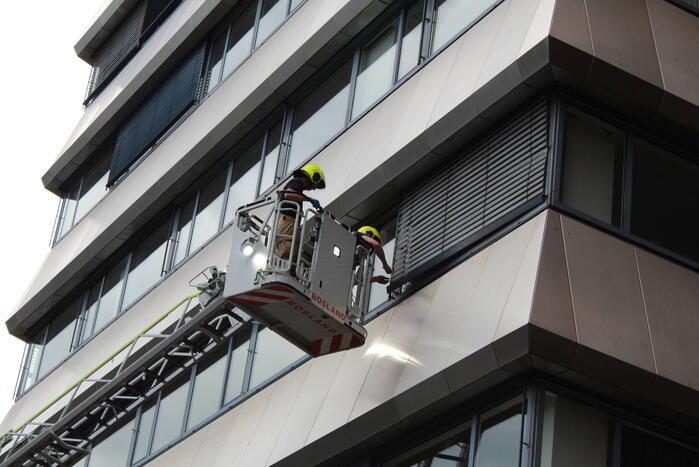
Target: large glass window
(499,436)
(412,38)
(376,63)
(240,39)
(642,449)
(216,60)
(272,15)
(322,115)
(145,426)
(665,200)
(113,451)
(244,179)
(624,181)
(273,353)
(573,434)
(108,307)
(59,341)
(593,167)
(208,386)
(90,312)
(147,264)
(183,230)
(168,424)
(271,157)
(94,187)
(454,15)
(239,358)
(32,361)
(209,209)
(69,203)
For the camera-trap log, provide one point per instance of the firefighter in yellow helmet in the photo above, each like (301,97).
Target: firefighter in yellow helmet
(371,236)
(308,177)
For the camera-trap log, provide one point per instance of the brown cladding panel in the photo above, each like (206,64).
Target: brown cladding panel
(606,293)
(552,308)
(671,295)
(676,35)
(622,36)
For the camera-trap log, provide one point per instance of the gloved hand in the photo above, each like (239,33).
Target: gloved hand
(315,203)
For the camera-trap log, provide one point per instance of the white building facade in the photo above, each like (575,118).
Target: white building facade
(533,168)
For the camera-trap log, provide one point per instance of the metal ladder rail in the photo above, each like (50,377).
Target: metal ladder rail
(76,430)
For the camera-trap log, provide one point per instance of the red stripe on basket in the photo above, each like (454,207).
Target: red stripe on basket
(335,343)
(315,347)
(278,288)
(267,295)
(248,302)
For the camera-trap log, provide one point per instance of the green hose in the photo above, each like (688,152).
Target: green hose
(104,362)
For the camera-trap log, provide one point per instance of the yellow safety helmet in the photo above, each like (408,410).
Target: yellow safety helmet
(370,232)
(314,173)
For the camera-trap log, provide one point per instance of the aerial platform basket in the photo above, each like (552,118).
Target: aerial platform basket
(309,283)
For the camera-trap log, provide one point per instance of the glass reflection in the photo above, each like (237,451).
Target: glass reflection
(272,354)
(240,40)
(499,435)
(273,13)
(455,15)
(322,115)
(412,35)
(147,264)
(168,425)
(208,385)
(209,208)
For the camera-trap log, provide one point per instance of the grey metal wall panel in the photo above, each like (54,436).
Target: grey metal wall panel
(498,174)
(157,113)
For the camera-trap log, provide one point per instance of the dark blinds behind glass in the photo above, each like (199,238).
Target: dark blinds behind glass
(160,110)
(138,25)
(467,197)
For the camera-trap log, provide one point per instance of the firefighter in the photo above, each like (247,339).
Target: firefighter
(372,237)
(308,177)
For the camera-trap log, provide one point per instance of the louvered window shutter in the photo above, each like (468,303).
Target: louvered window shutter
(471,194)
(131,33)
(157,113)
(119,45)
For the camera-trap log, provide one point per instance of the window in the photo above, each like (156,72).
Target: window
(573,434)
(168,424)
(90,312)
(638,188)
(272,354)
(111,295)
(665,200)
(216,60)
(32,360)
(412,35)
(454,15)
(244,180)
(499,435)
(183,229)
(239,358)
(206,397)
(59,340)
(147,264)
(240,39)
(85,192)
(322,115)
(271,158)
(209,208)
(113,451)
(642,449)
(593,167)
(272,15)
(376,63)
(145,426)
